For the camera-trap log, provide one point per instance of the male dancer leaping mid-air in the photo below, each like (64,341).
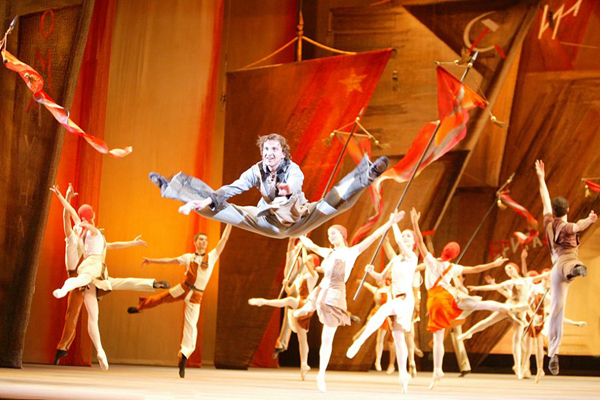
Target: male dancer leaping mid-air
(198,268)
(283,210)
(563,241)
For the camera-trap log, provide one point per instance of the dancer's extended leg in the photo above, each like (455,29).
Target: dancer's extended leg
(324,354)
(291,302)
(72,283)
(91,305)
(483,324)
(560,289)
(374,323)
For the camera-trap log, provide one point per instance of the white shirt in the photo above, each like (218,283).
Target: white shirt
(435,268)
(402,272)
(202,275)
(346,254)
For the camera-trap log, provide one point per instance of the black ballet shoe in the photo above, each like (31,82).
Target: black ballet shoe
(464,373)
(578,270)
(133,310)
(378,167)
(158,179)
(553,365)
(59,354)
(277,351)
(161,285)
(181,366)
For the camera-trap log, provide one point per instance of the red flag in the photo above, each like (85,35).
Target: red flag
(532,223)
(594,187)
(35,83)
(455,99)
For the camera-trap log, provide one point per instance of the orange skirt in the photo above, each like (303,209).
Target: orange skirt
(442,309)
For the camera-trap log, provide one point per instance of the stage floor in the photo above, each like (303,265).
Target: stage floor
(154,383)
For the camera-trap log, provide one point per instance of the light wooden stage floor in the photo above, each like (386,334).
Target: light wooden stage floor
(154,383)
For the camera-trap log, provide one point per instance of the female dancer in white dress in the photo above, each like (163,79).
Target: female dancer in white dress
(91,272)
(402,269)
(329,298)
(302,286)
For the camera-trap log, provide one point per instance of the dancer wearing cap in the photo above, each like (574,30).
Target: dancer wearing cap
(445,303)
(329,298)
(91,271)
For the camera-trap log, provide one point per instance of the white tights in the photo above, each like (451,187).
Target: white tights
(326,346)
(73,283)
(91,305)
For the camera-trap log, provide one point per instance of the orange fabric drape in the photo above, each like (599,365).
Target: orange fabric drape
(81,166)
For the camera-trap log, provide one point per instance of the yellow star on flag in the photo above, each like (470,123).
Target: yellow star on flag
(353,82)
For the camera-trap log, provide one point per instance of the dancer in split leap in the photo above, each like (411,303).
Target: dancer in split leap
(198,268)
(85,254)
(329,298)
(283,211)
(563,240)
(402,269)
(297,292)
(73,254)
(445,303)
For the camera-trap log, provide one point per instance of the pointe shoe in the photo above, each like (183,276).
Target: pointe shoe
(352,350)
(539,375)
(526,373)
(256,302)
(59,293)
(378,366)
(419,352)
(277,351)
(412,370)
(390,369)
(378,167)
(404,383)
(553,365)
(321,383)
(102,361)
(304,370)
(437,377)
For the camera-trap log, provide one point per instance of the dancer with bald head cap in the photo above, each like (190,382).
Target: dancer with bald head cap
(445,303)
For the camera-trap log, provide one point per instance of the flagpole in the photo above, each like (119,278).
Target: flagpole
(412,176)
(498,192)
(337,164)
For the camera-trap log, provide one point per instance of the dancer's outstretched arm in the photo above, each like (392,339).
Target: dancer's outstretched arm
(388,249)
(484,267)
(585,223)
(223,241)
(414,216)
(66,204)
(406,251)
(370,288)
(174,260)
(123,245)
(66,215)
(486,288)
(370,269)
(308,265)
(394,218)
(524,255)
(310,245)
(544,194)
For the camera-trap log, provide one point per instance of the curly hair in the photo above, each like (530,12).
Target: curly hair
(275,136)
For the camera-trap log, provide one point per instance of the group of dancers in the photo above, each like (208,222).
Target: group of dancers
(284,212)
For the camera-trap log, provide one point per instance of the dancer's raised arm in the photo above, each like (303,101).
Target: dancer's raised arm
(484,267)
(414,216)
(394,218)
(310,245)
(544,194)
(223,240)
(66,204)
(66,214)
